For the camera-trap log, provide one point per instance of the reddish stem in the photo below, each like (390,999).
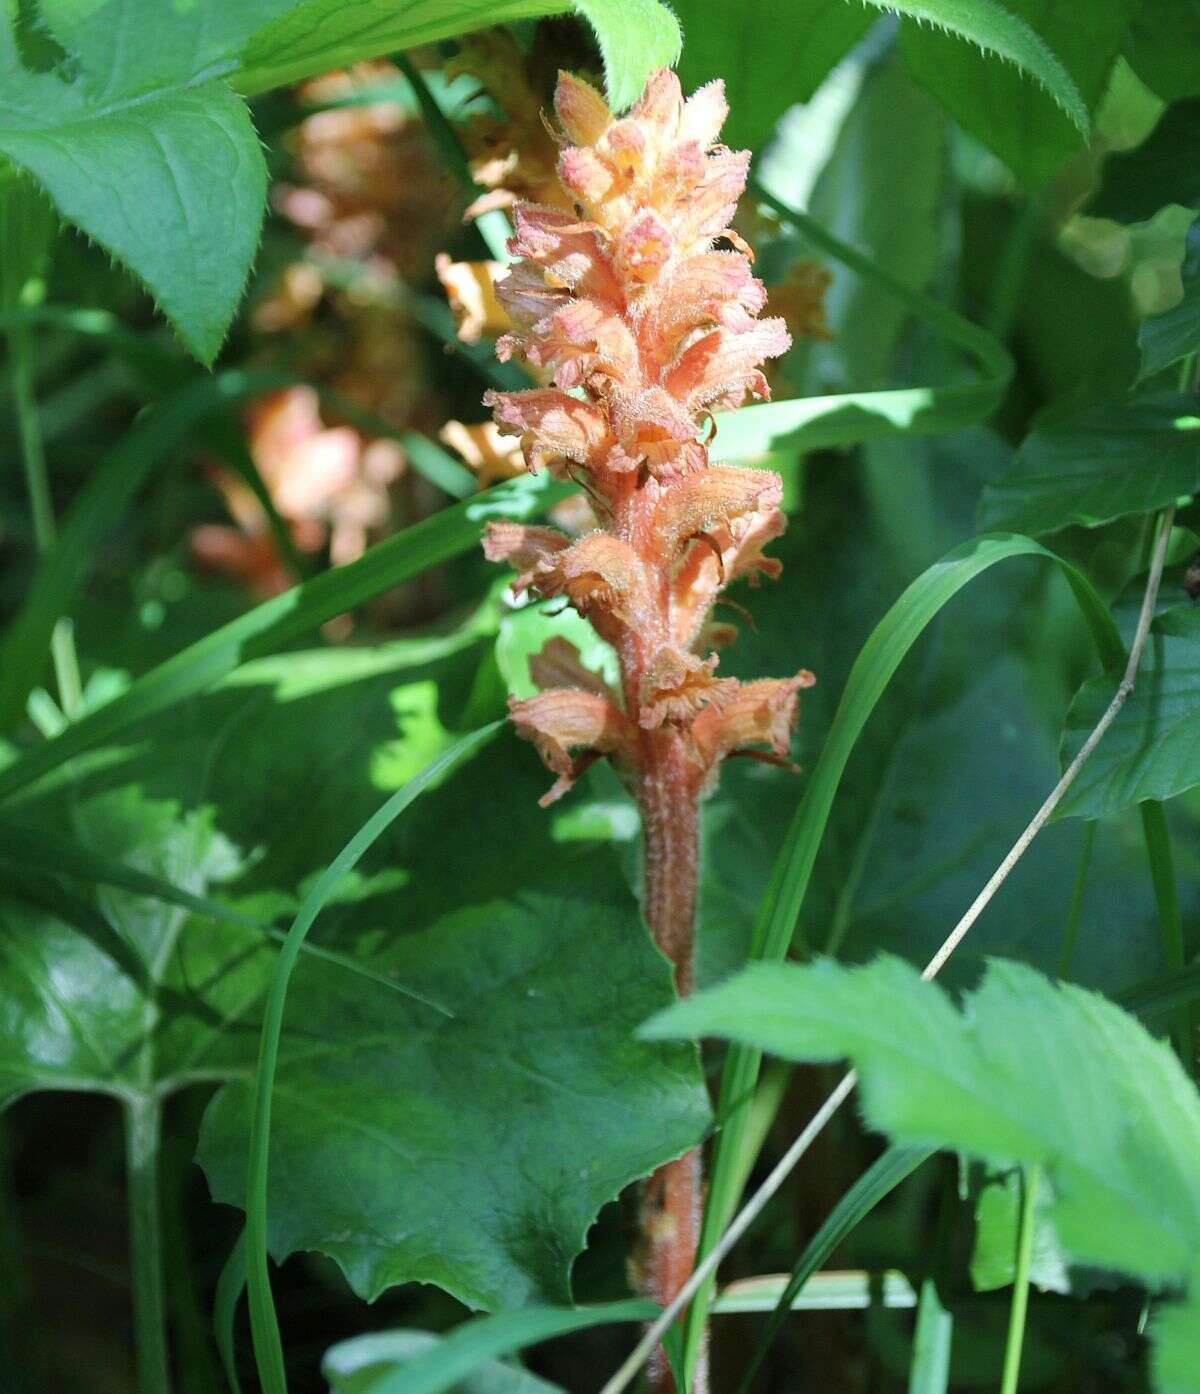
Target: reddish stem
(672,1198)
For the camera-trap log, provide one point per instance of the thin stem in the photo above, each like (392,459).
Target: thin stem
(1075,909)
(1020,1297)
(750,1211)
(1162,873)
(33,458)
(143,1122)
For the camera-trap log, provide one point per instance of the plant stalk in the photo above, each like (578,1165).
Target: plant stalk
(1020,1297)
(673,1196)
(143,1120)
(33,458)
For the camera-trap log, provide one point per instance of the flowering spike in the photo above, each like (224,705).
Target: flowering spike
(645,326)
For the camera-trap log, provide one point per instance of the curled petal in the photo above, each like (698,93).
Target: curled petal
(470,288)
(580,338)
(724,362)
(597,573)
(525,549)
(568,252)
(583,112)
(565,719)
(757,714)
(558,664)
(677,685)
(712,498)
(551,425)
(709,288)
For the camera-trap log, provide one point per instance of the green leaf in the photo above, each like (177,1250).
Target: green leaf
(1176,1355)
(1028,1071)
(473,1346)
(882,192)
(930,1369)
(1164,39)
(161,168)
(251,789)
(268,626)
(997,1220)
(1033,129)
(358,1366)
(1152,749)
(769,55)
(136,134)
(1166,338)
(309,36)
(1003,34)
(1101,464)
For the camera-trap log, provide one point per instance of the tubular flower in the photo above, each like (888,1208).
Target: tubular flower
(637,305)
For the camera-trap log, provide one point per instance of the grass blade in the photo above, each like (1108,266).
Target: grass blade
(929,1372)
(268,1348)
(229,1292)
(282,618)
(878,1181)
(882,654)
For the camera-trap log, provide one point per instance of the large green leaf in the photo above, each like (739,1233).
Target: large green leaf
(1028,1071)
(1152,750)
(130,123)
(769,55)
(882,192)
(1164,38)
(511,1044)
(1023,123)
(1167,337)
(998,32)
(1099,465)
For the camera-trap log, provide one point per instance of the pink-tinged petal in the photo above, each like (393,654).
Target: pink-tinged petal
(582,111)
(567,719)
(585,174)
(559,664)
(600,575)
(724,362)
(704,114)
(568,252)
(580,338)
(551,425)
(677,685)
(525,548)
(711,498)
(661,102)
(644,248)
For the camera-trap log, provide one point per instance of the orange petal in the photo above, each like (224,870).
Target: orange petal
(677,685)
(598,573)
(524,548)
(583,112)
(470,288)
(758,713)
(566,719)
(551,425)
(710,498)
(724,362)
(558,664)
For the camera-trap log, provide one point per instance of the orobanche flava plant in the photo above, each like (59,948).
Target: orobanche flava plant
(639,309)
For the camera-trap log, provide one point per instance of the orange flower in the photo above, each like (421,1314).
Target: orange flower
(644,323)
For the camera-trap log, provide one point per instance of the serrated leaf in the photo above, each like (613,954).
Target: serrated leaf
(1029,1071)
(999,32)
(1101,464)
(1028,126)
(1152,749)
(308,36)
(252,789)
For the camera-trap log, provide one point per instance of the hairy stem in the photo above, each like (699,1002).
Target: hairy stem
(672,1198)
(142,1138)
